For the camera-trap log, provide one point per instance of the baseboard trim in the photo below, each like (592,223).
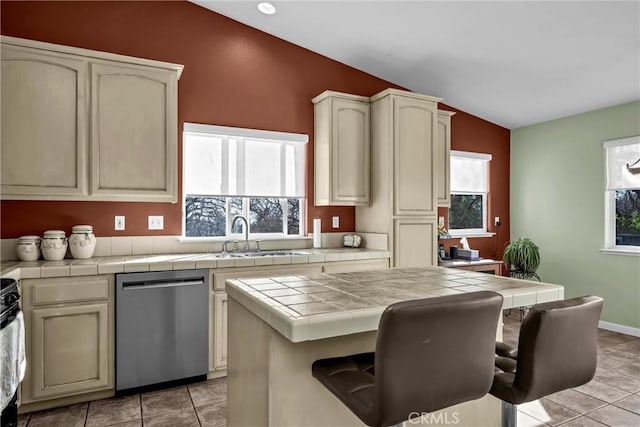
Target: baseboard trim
(623,329)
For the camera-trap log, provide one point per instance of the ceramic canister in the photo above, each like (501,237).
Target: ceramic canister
(28,248)
(54,245)
(82,241)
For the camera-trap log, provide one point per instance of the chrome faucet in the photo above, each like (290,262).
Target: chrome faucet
(246,230)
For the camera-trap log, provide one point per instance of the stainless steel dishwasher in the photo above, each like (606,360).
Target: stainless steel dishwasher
(162,328)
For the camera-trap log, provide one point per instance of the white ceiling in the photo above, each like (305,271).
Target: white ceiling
(512,63)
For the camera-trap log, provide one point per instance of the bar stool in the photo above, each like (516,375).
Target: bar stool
(430,354)
(557,350)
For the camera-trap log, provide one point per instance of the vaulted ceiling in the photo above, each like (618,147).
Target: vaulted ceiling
(512,63)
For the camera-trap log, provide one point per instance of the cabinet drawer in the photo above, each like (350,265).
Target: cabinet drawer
(67,290)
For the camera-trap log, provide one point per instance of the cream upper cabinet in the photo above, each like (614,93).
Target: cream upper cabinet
(414,135)
(342,149)
(133,133)
(443,157)
(44,124)
(69,325)
(60,103)
(403,176)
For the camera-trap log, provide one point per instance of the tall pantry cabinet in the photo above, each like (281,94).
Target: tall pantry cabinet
(404,204)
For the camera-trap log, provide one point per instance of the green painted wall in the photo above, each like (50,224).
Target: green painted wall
(557,200)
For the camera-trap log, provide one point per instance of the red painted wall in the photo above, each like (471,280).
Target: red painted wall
(234,76)
(471,133)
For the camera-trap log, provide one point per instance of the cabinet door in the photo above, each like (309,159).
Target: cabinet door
(350,163)
(220,327)
(415,242)
(212,333)
(70,350)
(443,159)
(44,125)
(414,132)
(133,133)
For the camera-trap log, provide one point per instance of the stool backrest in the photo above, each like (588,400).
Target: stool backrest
(433,353)
(558,347)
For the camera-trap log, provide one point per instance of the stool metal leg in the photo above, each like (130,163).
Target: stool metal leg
(509,415)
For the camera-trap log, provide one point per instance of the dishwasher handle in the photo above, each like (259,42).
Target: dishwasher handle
(154,284)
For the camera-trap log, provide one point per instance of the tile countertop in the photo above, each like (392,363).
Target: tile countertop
(316,306)
(131,264)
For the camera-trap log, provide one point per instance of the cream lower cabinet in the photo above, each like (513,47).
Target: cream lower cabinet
(220,327)
(341,149)
(443,158)
(69,326)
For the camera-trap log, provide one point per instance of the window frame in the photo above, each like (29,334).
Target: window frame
(610,246)
(254,135)
(471,232)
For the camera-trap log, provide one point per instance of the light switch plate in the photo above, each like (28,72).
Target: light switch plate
(119,223)
(156,222)
(336,222)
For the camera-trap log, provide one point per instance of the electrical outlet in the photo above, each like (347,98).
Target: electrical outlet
(496,221)
(336,222)
(119,223)
(441,221)
(156,222)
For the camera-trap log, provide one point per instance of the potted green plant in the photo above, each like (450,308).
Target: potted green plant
(522,258)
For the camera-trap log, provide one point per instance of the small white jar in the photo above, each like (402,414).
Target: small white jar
(82,241)
(54,245)
(28,248)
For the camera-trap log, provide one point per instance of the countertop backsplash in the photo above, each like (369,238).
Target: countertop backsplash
(153,245)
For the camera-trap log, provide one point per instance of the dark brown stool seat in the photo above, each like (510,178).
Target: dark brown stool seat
(557,350)
(430,354)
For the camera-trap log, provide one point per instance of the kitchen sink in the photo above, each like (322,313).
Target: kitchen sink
(260,254)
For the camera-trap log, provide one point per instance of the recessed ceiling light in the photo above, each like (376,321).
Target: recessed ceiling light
(266,8)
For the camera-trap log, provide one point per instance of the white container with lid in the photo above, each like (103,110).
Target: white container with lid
(82,241)
(54,245)
(28,248)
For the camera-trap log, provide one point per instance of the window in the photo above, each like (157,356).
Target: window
(622,198)
(229,172)
(469,175)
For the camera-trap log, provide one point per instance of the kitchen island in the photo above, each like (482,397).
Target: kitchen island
(279,325)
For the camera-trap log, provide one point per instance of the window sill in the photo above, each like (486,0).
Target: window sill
(471,235)
(619,251)
(240,238)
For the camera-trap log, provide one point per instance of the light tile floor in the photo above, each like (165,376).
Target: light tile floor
(200,404)
(611,399)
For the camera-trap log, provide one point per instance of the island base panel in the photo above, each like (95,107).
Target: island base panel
(270,383)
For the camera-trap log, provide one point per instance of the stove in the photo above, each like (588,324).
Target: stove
(10,307)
